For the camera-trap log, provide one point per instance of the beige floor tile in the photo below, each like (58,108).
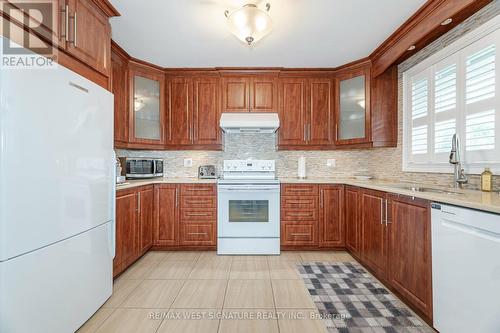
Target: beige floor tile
(121,289)
(331,256)
(211,269)
(139,270)
(155,256)
(252,258)
(172,270)
(249,294)
(286,255)
(249,269)
(300,321)
(95,321)
(211,255)
(130,321)
(190,321)
(201,294)
(285,269)
(291,294)
(182,255)
(248,321)
(154,294)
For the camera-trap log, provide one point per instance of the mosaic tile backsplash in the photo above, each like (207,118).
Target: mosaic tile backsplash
(382,163)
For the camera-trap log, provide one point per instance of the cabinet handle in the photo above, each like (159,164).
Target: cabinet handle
(74,30)
(298,234)
(337,132)
(139,202)
(299,214)
(176,198)
(386,215)
(197,233)
(199,189)
(298,189)
(321,199)
(308,132)
(298,202)
(382,211)
(66,21)
(305,132)
(197,214)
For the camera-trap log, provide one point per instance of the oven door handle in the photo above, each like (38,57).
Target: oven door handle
(248,189)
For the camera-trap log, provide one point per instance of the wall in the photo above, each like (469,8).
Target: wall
(383,163)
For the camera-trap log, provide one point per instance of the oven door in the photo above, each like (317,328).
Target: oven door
(247,211)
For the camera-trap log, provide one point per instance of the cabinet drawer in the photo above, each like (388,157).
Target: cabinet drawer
(299,202)
(198,189)
(299,214)
(293,189)
(197,234)
(190,214)
(198,202)
(298,234)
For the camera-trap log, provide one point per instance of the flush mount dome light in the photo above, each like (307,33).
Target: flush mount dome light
(249,23)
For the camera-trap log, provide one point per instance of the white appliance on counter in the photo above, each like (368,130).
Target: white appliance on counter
(57,194)
(248,208)
(465,270)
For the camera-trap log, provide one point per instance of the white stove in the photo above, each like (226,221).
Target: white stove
(248,208)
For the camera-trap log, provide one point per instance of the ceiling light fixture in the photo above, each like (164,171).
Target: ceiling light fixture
(411,48)
(447,21)
(250,23)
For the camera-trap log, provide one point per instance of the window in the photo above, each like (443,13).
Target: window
(454,91)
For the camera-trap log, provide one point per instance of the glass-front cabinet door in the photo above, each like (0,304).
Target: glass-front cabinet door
(147,106)
(352,107)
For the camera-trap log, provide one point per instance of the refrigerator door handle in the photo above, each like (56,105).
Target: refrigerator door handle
(113,207)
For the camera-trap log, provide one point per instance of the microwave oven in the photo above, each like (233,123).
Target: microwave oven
(139,168)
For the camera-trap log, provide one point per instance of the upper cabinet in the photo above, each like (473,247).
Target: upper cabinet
(89,37)
(147,105)
(250,93)
(352,106)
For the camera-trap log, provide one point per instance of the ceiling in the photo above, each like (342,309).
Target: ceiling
(306,33)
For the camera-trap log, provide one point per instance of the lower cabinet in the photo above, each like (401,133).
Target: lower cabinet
(312,216)
(185,215)
(134,222)
(352,219)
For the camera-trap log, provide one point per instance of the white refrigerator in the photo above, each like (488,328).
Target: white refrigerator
(57,194)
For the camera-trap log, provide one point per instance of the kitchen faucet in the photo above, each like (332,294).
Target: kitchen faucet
(459,177)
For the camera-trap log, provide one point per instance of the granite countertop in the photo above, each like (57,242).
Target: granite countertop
(486,201)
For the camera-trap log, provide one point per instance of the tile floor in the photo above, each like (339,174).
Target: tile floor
(167,292)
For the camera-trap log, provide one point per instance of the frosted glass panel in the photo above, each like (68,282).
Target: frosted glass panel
(147,108)
(352,108)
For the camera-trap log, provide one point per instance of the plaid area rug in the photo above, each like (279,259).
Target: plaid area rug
(350,300)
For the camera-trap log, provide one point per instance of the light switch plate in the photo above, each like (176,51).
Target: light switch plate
(188,162)
(331,162)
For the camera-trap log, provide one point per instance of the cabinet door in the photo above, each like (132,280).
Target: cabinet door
(410,251)
(263,94)
(352,219)
(235,94)
(166,215)
(303,234)
(120,91)
(331,221)
(90,35)
(352,107)
(319,130)
(146,215)
(206,112)
(180,92)
(292,111)
(146,106)
(374,232)
(126,230)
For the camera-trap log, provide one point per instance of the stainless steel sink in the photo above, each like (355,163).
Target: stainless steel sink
(415,188)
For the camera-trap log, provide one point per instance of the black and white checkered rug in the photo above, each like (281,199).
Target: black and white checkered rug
(351,300)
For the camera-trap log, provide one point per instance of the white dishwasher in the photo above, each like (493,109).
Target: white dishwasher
(465,270)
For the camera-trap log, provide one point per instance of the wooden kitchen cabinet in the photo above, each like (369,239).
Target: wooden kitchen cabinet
(120,90)
(126,230)
(145,216)
(206,111)
(352,106)
(166,223)
(331,217)
(90,35)
(374,231)
(353,219)
(146,105)
(180,94)
(410,266)
(306,113)
(249,94)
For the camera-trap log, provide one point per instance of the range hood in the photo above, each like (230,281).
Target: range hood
(249,122)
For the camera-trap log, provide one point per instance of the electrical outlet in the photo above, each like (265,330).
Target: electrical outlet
(331,162)
(188,162)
